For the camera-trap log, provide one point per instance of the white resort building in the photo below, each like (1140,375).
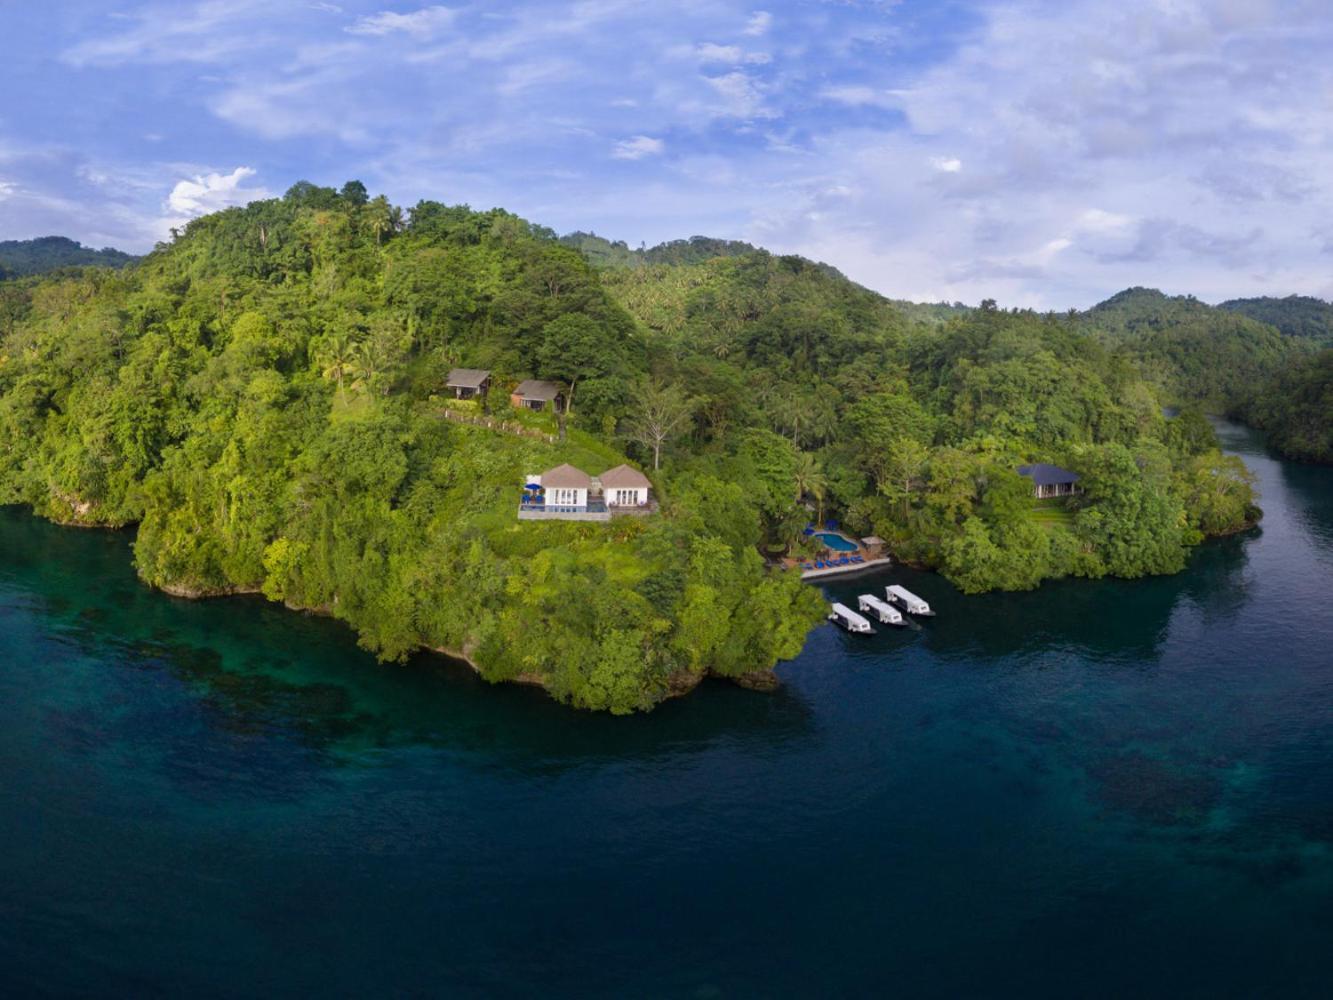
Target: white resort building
(624,487)
(565,486)
(570,494)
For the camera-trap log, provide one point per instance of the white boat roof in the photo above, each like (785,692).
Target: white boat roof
(878,604)
(850,615)
(905,594)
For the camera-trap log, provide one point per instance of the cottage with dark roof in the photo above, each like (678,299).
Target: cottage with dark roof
(535,394)
(1050,480)
(468,383)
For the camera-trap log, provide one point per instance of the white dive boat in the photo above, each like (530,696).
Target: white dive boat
(882,610)
(845,617)
(907,600)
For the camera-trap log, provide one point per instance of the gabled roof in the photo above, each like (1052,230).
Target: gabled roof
(1047,475)
(467,378)
(622,477)
(537,389)
(566,477)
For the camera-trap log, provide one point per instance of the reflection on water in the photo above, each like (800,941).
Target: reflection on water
(260,669)
(1119,783)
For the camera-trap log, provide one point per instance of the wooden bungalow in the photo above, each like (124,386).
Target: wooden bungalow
(535,394)
(468,383)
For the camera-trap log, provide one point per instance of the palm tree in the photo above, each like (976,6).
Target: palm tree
(811,481)
(338,358)
(367,363)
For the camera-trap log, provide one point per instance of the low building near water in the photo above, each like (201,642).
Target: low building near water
(1050,480)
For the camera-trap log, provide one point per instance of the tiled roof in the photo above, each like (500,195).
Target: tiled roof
(537,389)
(467,378)
(566,477)
(624,478)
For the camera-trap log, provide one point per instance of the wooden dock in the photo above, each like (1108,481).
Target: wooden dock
(861,567)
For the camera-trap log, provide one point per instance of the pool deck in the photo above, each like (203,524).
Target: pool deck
(861,567)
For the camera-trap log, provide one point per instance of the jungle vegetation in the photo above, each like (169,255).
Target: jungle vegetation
(22,258)
(261,397)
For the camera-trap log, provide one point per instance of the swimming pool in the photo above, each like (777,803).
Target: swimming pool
(836,542)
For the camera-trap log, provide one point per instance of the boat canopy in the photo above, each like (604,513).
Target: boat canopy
(887,612)
(853,620)
(910,601)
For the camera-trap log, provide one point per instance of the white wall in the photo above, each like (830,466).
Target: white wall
(566,497)
(622,497)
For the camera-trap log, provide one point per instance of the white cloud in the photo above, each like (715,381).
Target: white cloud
(947,164)
(740,94)
(210,192)
(759,23)
(857,95)
(421,23)
(637,148)
(709,52)
(7,189)
(202,32)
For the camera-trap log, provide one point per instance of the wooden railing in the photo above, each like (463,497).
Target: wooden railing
(493,423)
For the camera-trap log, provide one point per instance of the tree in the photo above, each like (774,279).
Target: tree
(900,474)
(338,358)
(810,481)
(385,219)
(576,347)
(661,412)
(354,193)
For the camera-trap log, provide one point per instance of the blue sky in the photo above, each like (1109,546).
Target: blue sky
(1037,152)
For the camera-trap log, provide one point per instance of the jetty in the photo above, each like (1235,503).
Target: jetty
(846,618)
(882,610)
(908,601)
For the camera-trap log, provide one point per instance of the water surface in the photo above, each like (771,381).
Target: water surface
(1095,789)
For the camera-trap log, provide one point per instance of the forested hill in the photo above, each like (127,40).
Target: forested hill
(21,258)
(602,252)
(264,399)
(1194,352)
(1295,315)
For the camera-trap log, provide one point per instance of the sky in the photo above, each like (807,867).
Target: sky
(1043,153)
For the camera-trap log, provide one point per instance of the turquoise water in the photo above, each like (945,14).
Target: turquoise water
(1096,789)
(836,542)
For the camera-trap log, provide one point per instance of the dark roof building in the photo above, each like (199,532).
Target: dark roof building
(1049,480)
(536,389)
(468,383)
(468,378)
(535,394)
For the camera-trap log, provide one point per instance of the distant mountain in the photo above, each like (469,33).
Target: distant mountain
(1296,315)
(1195,352)
(602,252)
(20,258)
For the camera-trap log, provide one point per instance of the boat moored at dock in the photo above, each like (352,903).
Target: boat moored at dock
(882,610)
(844,617)
(908,601)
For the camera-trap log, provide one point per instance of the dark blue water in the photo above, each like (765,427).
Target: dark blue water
(1096,789)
